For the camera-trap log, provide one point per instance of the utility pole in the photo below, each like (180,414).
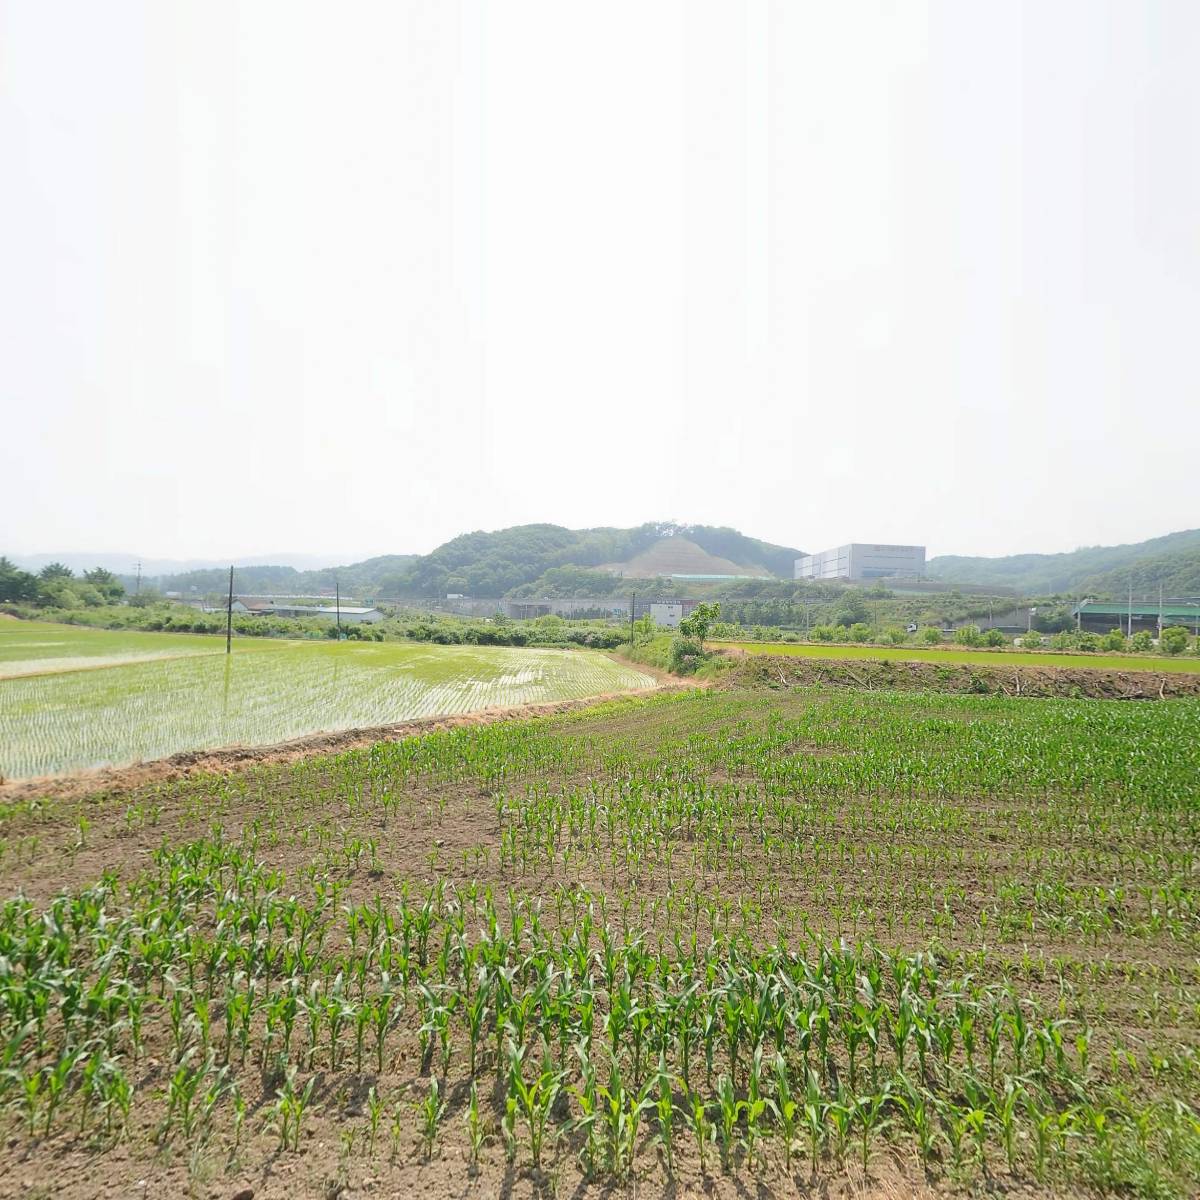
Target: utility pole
(1160,615)
(229,615)
(137,587)
(1129,631)
(632,605)
(337,603)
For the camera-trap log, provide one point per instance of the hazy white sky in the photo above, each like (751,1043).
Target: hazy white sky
(355,278)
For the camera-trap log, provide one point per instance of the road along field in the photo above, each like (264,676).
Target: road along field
(73,698)
(983,658)
(748,941)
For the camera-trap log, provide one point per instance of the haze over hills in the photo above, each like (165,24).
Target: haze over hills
(527,558)
(1172,560)
(493,564)
(124,564)
(551,560)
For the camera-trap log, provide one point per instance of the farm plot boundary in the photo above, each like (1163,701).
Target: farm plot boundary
(778,670)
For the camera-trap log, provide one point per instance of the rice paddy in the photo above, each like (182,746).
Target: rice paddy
(74,698)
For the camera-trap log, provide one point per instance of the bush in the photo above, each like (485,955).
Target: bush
(931,635)
(859,632)
(1174,640)
(993,637)
(686,655)
(968,635)
(1032,640)
(1142,641)
(896,636)
(823,633)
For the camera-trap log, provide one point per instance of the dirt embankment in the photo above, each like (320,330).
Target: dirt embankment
(775,671)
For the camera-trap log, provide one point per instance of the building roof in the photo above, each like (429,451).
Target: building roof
(319,610)
(1095,609)
(332,611)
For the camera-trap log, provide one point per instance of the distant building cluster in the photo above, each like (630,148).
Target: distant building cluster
(664,613)
(863,560)
(256,606)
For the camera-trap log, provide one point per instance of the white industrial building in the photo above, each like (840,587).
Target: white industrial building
(863,560)
(666,614)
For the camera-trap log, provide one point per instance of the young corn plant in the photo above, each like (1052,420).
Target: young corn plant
(786,1108)
(474,1123)
(696,1111)
(430,1112)
(664,1107)
(534,1101)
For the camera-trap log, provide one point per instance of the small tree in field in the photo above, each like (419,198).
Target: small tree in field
(1032,640)
(701,620)
(931,635)
(968,635)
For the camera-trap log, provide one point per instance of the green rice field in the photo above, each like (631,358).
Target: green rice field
(994,658)
(73,698)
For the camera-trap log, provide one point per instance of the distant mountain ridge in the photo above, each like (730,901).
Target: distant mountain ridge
(480,564)
(125,564)
(552,560)
(1173,560)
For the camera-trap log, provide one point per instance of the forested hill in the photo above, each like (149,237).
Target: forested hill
(1173,560)
(492,564)
(364,578)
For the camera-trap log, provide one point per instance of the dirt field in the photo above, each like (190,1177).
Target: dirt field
(1040,857)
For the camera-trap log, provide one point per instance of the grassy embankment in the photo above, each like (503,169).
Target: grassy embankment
(956,654)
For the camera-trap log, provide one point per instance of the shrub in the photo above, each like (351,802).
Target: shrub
(1032,640)
(993,637)
(1114,640)
(686,655)
(823,633)
(931,635)
(968,635)
(1174,640)
(859,632)
(1142,640)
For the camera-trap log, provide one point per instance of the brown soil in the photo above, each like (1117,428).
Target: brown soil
(789,671)
(447,820)
(66,1165)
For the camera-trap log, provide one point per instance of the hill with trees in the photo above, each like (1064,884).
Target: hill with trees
(363,578)
(1173,559)
(498,563)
